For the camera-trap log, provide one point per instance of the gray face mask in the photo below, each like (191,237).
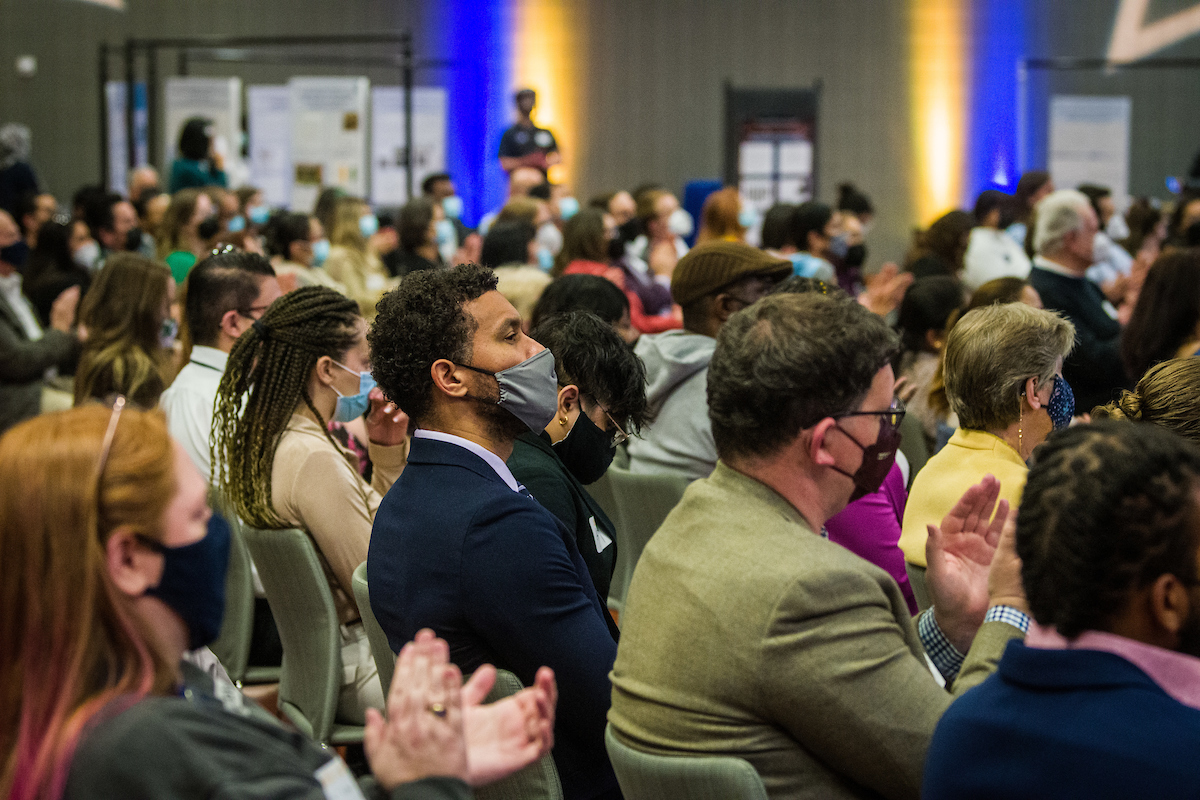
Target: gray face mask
(528,391)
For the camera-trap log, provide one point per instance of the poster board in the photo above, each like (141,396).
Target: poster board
(770,144)
(269,124)
(329,137)
(389,177)
(217,99)
(1089,142)
(118,133)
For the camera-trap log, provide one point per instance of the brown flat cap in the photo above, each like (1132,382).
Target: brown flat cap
(708,268)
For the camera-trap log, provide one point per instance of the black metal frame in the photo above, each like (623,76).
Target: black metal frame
(222,48)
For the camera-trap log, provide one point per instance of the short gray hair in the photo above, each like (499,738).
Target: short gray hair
(1058,214)
(992,351)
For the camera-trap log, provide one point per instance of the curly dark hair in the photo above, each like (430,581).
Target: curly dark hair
(419,322)
(787,362)
(589,354)
(1107,509)
(265,380)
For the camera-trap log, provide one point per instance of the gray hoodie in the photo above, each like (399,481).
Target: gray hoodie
(679,440)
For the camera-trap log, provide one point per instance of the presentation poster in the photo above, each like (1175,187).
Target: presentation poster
(215,99)
(1089,142)
(269,122)
(389,178)
(329,137)
(118,132)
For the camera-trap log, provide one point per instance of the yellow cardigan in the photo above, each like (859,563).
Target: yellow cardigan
(962,463)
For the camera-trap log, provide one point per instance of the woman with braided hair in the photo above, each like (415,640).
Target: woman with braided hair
(303,363)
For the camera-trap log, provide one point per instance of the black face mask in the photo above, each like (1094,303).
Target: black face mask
(629,231)
(586,451)
(16,254)
(616,249)
(208,228)
(133,240)
(856,255)
(877,461)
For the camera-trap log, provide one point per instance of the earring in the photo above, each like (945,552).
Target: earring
(562,421)
(1020,437)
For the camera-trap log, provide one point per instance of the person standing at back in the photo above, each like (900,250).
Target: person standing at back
(197,164)
(525,144)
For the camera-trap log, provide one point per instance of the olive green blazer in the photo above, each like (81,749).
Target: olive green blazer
(746,634)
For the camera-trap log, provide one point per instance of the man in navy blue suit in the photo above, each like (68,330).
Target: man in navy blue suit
(458,545)
(1103,697)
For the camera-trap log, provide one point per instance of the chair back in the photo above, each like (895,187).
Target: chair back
(643,502)
(381,651)
(302,603)
(644,776)
(232,647)
(538,781)
(913,445)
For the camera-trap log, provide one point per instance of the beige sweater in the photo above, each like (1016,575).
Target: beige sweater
(315,487)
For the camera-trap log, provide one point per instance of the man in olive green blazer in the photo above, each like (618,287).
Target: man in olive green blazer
(746,633)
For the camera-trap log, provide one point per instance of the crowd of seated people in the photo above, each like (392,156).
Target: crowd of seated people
(451,407)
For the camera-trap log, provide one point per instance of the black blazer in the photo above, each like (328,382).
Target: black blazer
(535,464)
(1094,368)
(491,571)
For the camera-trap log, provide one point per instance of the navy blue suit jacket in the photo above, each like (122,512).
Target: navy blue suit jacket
(1063,724)
(492,572)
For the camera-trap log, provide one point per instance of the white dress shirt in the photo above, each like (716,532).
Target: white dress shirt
(189,403)
(991,254)
(494,461)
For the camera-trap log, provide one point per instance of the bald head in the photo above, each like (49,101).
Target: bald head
(522,179)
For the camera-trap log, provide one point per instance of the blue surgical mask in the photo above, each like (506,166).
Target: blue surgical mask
(747,217)
(368,225)
(545,259)
(237,224)
(567,208)
(259,214)
(352,406)
(193,581)
(528,391)
(1061,406)
(839,245)
(453,206)
(320,252)
(445,231)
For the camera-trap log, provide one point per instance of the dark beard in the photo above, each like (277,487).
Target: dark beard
(501,424)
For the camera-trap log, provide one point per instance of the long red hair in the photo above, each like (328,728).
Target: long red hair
(719,217)
(70,642)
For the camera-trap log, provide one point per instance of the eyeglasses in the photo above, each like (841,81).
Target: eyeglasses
(619,436)
(891,416)
(248,312)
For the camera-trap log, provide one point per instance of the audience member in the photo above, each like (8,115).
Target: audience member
(185,235)
(929,307)
(941,248)
(991,252)
(197,163)
(62,258)
(1032,186)
(29,353)
(520,182)
(130,332)
(34,211)
(587,293)
(1180,230)
(1003,371)
(142,182)
(664,225)
(853,203)
(1064,237)
(815,233)
(351,261)
(225,294)
(776,236)
(455,240)
(725,217)
(525,144)
(278,465)
(17,177)
(150,208)
(1165,322)
(601,401)
(111,218)
(1112,263)
(117,567)
(1168,395)
(298,249)
(458,545)
(711,283)
(1004,290)
(510,250)
(419,223)
(1100,700)
(816,674)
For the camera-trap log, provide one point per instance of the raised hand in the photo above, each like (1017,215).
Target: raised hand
(959,555)
(510,734)
(885,289)
(386,423)
(423,734)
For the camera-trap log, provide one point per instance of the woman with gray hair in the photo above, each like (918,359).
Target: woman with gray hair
(1003,374)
